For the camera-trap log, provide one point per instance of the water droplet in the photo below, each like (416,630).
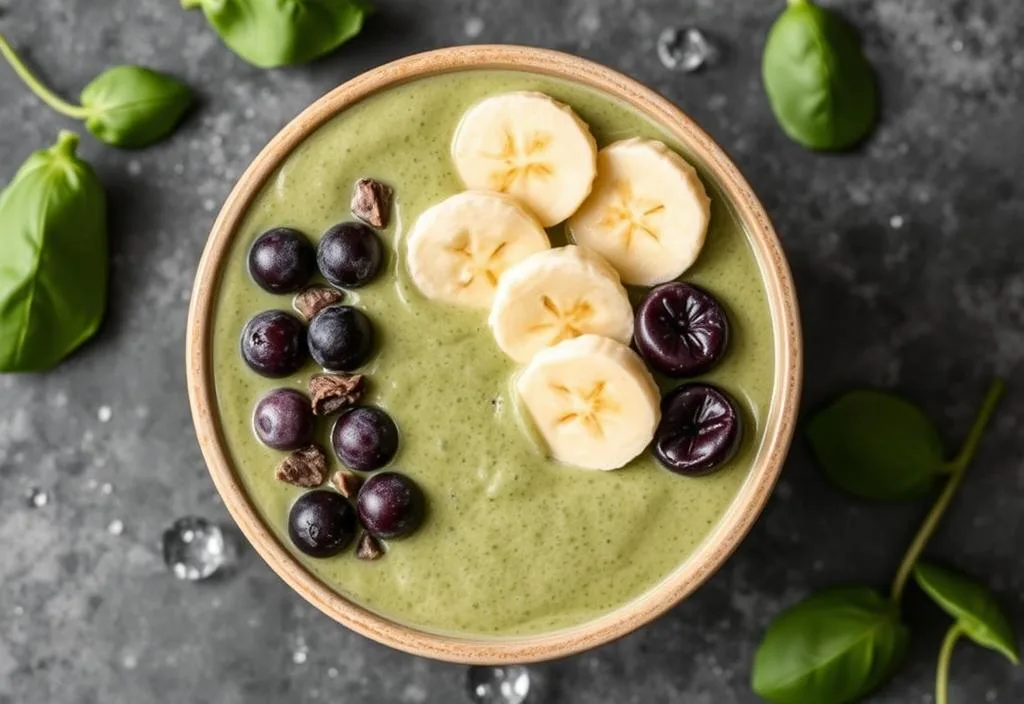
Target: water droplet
(92,484)
(19,610)
(474,27)
(686,49)
(134,168)
(130,661)
(107,488)
(498,685)
(37,498)
(299,656)
(957,45)
(332,672)
(104,413)
(116,527)
(896,222)
(194,548)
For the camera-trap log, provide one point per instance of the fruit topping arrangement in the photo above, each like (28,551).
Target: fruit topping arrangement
(340,339)
(637,214)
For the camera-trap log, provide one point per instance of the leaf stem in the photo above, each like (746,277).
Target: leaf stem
(945,656)
(67,143)
(36,86)
(970,446)
(958,467)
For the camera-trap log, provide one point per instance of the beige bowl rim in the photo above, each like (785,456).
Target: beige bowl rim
(779,422)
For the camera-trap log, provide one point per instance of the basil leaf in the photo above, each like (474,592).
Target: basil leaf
(877,445)
(53,271)
(125,106)
(834,647)
(972,605)
(820,86)
(131,106)
(269,33)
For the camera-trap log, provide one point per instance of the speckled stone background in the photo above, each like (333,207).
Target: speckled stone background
(908,257)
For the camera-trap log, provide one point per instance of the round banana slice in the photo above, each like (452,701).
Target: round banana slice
(458,249)
(531,147)
(592,401)
(648,213)
(557,295)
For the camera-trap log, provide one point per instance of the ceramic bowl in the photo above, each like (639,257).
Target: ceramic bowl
(779,423)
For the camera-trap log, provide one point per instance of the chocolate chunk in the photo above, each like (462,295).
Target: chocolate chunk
(306,467)
(332,392)
(347,483)
(371,202)
(312,300)
(369,548)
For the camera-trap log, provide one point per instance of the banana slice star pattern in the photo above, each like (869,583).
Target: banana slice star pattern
(647,214)
(458,249)
(592,401)
(554,296)
(531,147)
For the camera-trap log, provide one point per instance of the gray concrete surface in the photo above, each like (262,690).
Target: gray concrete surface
(907,254)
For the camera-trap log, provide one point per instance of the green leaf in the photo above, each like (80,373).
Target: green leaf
(820,86)
(835,647)
(131,106)
(269,33)
(877,446)
(53,272)
(972,605)
(125,106)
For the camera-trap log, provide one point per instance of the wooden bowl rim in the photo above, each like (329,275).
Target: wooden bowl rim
(779,423)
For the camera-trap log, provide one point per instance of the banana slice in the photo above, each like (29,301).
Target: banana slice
(459,248)
(648,213)
(592,401)
(531,147)
(557,295)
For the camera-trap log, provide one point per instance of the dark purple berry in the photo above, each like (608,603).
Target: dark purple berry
(390,505)
(681,330)
(274,343)
(281,260)
(699,431)
(350,254)
(283,420)
(340,338)
(365,438)
(322,523)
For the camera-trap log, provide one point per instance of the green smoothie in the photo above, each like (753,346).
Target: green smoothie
(513,542)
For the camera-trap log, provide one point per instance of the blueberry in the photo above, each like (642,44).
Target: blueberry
(390,505)
(681,330)
(350,254)
(283,420)
(365,438)
(699,432)
(322,523)
(340,338)
(274,343)
(281,260)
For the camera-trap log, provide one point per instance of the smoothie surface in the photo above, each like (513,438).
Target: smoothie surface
(513,543)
